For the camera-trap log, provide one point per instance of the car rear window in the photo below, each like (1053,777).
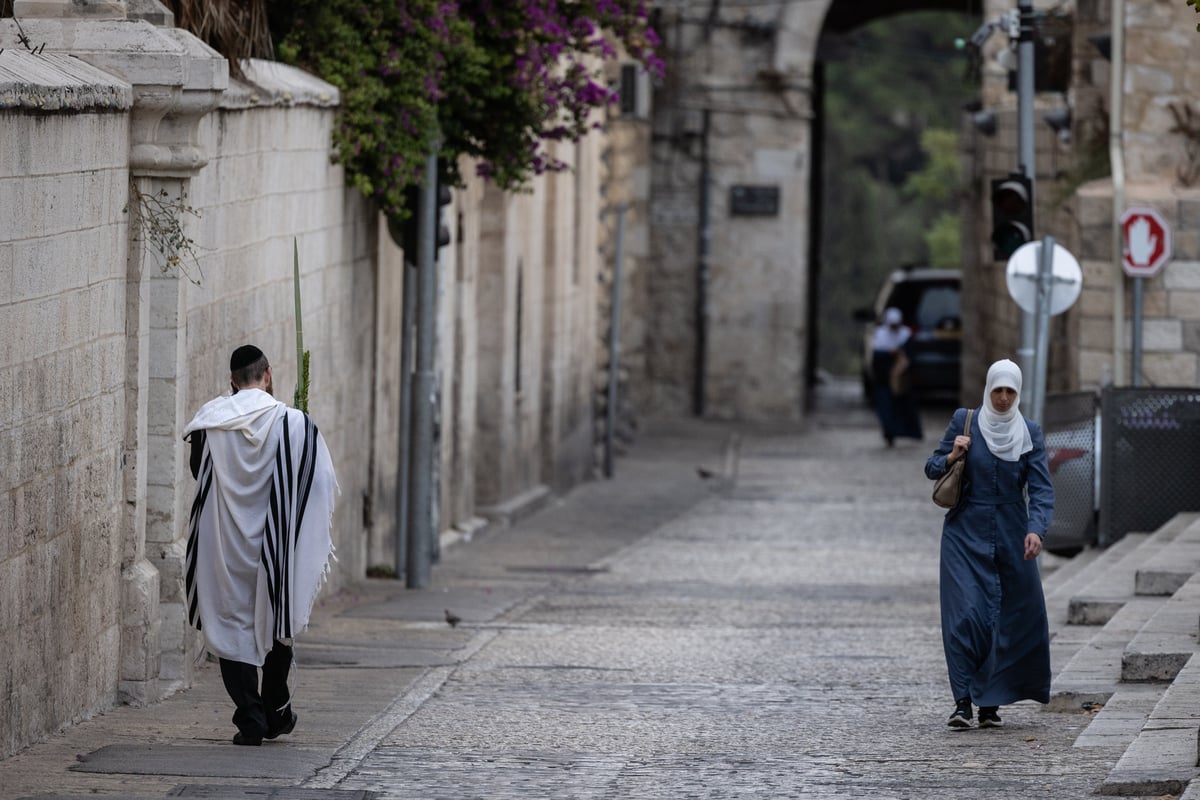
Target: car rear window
(926,304)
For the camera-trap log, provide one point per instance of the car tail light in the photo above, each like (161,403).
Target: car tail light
(1061,455)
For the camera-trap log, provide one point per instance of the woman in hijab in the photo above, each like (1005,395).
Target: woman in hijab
(994,627)
(898,415)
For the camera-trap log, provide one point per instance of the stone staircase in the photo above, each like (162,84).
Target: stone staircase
(1124,627)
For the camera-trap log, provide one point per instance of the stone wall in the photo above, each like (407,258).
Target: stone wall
(751,77)
(115,335)
(510,325)
(63,236)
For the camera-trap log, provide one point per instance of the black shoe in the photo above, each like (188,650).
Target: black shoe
(285,728)
(248,741)
(961,718)
(988,718)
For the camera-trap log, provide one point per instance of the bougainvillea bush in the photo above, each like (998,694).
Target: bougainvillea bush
(497,80)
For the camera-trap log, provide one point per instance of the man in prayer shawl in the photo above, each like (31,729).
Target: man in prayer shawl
(258,539)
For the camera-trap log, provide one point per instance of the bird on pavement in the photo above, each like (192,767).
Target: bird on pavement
(452,618)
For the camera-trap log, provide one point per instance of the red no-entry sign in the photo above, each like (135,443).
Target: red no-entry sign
(1147,240)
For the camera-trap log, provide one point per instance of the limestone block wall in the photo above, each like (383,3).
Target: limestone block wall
(569,349)
(511,323)
(459,270)
(385,417)
(753,83)
(1162,85)
(63,235)
(626,179)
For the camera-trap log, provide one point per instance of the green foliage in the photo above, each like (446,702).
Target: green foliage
(944,240)
(1195,4)
(495,81)
(940,178)
(891,172)
(935,186)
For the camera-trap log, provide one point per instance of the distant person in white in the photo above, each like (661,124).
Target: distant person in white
(259,539)
(894,404)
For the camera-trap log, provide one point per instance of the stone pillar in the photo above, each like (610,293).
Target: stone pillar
(176,81)
(164,155)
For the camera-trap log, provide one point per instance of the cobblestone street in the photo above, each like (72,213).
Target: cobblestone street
(738,613)
(780,638)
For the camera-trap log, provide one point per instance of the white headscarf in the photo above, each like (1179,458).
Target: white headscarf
(1006,434)
(891,335)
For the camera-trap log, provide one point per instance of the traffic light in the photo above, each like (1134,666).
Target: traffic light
(1012,214)
(443,199)
(410,227)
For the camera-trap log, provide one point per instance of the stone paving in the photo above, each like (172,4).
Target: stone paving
(771,631)
(779,639)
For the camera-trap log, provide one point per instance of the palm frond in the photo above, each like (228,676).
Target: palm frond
(236,29)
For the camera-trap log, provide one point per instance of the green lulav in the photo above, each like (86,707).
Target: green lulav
(300,399)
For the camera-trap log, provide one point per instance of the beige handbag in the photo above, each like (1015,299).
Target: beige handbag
(947,490)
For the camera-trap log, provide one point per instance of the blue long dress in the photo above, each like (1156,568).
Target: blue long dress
(994,627)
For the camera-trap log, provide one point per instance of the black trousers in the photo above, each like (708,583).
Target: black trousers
(259,714)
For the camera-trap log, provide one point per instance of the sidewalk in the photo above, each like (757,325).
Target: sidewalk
(375,651)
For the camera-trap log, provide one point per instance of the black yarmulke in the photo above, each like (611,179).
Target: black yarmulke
(244,356)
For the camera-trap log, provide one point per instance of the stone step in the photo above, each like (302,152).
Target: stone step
(1120,720)
(1173,565)
(1167,640)
(1093,674)
(1108,588)
(1162,758)
(1059,594)
(1057,570)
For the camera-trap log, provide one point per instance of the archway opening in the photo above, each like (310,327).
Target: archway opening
(890,92)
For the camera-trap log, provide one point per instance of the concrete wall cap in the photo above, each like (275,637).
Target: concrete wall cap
(133,50)
(51,82)
(270,83)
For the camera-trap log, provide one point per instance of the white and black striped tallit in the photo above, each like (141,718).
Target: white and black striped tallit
(259,539)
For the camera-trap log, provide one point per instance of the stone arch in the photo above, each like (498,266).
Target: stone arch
(844,15)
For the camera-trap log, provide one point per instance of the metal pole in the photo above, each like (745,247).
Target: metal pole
(702,276)
(1026,153)
(420,533)
(403,472)
(1045,275)
(1116,157)
(1135,361)
(614,345)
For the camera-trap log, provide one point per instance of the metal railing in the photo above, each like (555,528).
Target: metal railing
(1125,460)
(1150,438)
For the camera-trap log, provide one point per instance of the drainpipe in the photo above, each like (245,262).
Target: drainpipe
(702,272)
(1116,156)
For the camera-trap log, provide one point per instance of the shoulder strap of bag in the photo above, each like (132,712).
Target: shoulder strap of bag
(967,427)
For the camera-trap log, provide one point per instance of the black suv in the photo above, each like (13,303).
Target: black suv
(930,300)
